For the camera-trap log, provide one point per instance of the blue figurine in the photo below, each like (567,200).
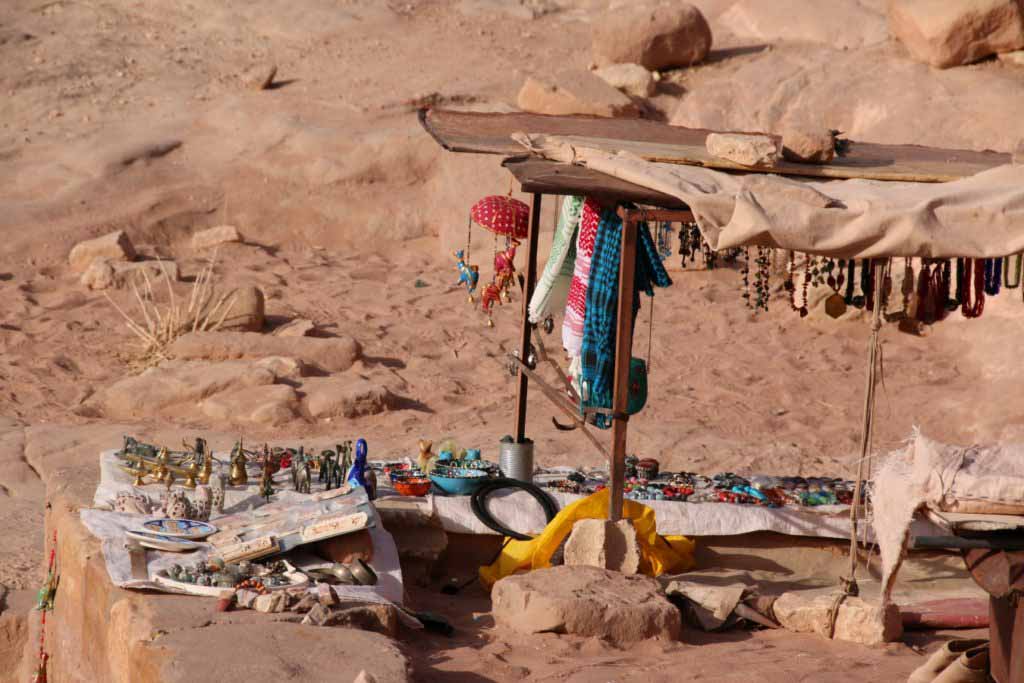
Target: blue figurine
(359,474)
(470,275)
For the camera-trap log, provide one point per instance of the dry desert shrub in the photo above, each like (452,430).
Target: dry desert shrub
(161,323)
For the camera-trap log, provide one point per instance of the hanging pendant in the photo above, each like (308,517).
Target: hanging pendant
(835,305)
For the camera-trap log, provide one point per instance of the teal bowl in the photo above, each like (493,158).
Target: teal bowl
(463,483)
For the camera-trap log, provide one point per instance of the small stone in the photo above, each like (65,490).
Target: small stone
(652,33)
(245,598)
(213,237)
(305,603)
(604,544)
(114,246)
(808,147)
(365,677)
(325,595)
(259,76)
(574,92)
(282,367)
(746,150)
(318,615)
(225,600)
(271,603)
(245,310)
(299,327)
(630,79)
(99,275)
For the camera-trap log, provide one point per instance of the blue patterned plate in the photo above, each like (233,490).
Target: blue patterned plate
(180,528)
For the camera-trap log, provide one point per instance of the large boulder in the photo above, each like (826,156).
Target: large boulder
(114,246)
(955,32)
(585,601)
(573,92)
(270,405)
(839,24)
(654,34)
(328,354)
(176,383)
(330,397)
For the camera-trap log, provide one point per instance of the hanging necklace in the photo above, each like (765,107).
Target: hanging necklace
(761,282)
(848,298)
(1006,272)
(807,282)
(967,309)
(948,304)
(907,289)
(863,299)
(993,275)
(788,284)
(835,304)
(745,272)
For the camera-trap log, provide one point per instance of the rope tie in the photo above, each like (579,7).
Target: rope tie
(874,357)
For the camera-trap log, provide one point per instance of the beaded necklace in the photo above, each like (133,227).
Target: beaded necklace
(848,298)
(993,275)
(966,308)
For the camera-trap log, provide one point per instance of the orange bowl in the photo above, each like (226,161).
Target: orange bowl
(413,486)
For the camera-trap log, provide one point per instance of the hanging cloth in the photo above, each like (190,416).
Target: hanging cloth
(598,349)
(575,307)
(554,282)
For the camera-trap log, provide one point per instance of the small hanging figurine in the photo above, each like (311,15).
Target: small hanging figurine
(509,218)
(505,268)
(492,294)
(468,275)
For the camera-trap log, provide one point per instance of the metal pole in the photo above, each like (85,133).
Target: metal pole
(524,339)
(623,354)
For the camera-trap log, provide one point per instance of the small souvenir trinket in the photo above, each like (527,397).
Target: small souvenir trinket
(468,274)
(238,476)
(835,305)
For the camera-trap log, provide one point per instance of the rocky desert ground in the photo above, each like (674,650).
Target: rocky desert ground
(143,118)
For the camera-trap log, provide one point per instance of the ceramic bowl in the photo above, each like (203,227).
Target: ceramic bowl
(180,528)
(412,486)
(458,482)
(170,544)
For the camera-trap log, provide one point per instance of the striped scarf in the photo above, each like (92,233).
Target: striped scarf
(557,276)
(575,307)
(597,359)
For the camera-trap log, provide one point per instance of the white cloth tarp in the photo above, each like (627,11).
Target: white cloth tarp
(928,474)
(110,526)
(979,217)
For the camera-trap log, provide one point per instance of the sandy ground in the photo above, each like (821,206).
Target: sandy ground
(346,204)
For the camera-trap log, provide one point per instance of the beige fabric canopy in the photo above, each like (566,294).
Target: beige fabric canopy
(981,216)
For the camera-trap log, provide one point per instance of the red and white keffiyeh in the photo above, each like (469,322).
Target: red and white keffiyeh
(575,308)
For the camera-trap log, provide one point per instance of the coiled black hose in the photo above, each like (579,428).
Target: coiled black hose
(478,503)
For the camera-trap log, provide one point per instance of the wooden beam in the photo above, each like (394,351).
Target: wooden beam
(524,338)
(623,354)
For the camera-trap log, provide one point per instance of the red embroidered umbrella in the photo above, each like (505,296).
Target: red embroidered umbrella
(502,215)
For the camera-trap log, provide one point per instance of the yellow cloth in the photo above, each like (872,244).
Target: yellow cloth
(658,555)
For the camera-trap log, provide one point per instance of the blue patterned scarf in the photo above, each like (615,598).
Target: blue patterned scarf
(598,357)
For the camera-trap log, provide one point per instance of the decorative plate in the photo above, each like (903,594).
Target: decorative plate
(162,541)
(180,528)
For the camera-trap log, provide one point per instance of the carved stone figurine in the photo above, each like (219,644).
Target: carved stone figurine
(134,503)
(217,493)
(203,504)
(177,505)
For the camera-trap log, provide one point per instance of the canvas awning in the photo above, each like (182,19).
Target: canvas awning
(960,203)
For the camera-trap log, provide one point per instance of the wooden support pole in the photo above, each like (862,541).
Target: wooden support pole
(524,339)
(623,354)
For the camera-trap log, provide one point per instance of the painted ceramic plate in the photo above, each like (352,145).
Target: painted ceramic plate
(180,528)
(162,541)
